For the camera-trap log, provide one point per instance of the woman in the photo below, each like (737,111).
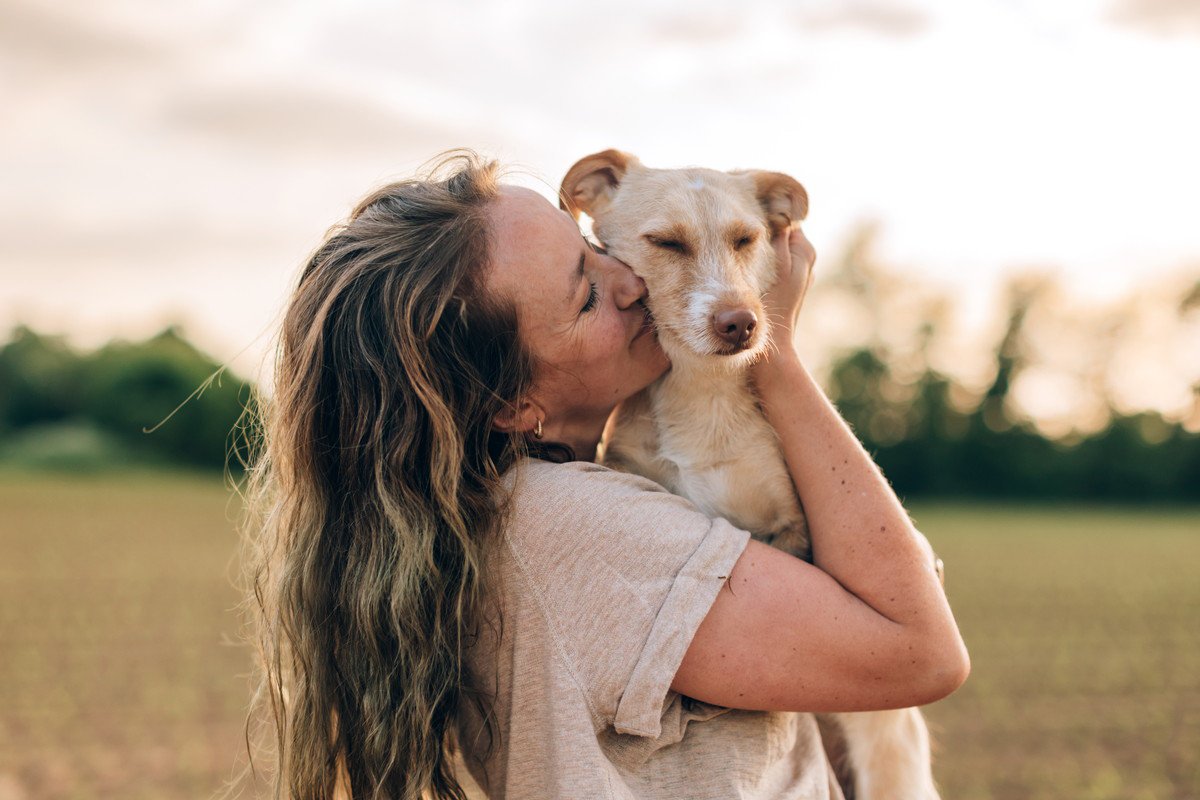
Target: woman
(422,582)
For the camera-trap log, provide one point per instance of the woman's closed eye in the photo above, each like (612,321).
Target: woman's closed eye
(591,298)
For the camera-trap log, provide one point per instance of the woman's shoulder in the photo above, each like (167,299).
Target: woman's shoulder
(546,488)
(575,475)
(554,509)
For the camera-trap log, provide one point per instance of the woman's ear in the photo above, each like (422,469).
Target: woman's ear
(521,417)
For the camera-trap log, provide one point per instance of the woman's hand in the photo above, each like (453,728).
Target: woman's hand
(794,258)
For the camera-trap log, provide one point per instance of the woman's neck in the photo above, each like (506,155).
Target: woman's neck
(582,434)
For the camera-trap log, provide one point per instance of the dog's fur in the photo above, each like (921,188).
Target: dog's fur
(701,240)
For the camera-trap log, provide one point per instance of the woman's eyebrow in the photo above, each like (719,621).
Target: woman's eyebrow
(576,278)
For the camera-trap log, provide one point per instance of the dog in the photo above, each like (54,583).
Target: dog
(701,240)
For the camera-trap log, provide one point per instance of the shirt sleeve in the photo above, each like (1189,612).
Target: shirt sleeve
(624,573)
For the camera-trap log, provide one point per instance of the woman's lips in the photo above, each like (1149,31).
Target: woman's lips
(647,324)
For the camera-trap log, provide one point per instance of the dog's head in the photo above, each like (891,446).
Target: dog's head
(699,238)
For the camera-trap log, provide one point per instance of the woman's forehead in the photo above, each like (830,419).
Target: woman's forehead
(533,244)
(525,212)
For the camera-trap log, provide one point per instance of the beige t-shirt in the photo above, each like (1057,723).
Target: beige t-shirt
(601,580)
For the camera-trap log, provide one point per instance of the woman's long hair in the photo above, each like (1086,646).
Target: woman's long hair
(378,489)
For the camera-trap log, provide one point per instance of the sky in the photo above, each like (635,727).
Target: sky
(167,162)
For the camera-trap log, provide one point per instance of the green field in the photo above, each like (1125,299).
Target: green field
(1084,632)
(120,675)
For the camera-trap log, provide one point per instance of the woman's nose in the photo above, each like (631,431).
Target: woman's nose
(629,287)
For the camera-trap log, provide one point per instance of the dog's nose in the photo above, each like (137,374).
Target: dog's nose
(736,326)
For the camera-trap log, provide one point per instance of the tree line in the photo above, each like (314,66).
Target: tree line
(124,404)
(935,436)
(927,447)
(121,405)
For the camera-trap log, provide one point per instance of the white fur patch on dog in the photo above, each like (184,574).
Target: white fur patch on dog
(696,183)
(700,302)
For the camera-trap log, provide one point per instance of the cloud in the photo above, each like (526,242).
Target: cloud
(884,19)
(697,27)
(1161,17)
(298,120)
(49,41)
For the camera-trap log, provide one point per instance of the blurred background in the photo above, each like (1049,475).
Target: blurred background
(1003,197)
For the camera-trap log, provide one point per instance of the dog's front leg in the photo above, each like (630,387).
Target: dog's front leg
(888,754)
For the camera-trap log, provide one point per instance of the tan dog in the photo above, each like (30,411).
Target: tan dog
(701,240)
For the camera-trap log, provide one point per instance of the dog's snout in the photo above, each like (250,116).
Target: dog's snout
(735,326)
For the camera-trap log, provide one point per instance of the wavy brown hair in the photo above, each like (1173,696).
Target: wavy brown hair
(378,490)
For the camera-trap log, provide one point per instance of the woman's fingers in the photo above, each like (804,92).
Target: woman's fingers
(794,257)
(783,256)
(803,254)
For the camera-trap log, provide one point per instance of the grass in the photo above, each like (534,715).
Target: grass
(1082,628)
(120,676)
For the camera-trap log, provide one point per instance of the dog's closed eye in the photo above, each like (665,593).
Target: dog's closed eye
(668,242)
(741,238)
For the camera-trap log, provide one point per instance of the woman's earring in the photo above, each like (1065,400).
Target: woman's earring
(537,432)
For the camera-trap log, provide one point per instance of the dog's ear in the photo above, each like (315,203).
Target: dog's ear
(590,184)
(782,198)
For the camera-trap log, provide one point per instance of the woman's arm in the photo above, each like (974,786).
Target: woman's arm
(866,626)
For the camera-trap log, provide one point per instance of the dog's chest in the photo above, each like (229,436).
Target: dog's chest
(705,439)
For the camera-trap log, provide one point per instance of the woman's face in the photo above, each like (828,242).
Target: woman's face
(581,314)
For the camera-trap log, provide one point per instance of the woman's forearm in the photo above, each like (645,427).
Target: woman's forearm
(861,535)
